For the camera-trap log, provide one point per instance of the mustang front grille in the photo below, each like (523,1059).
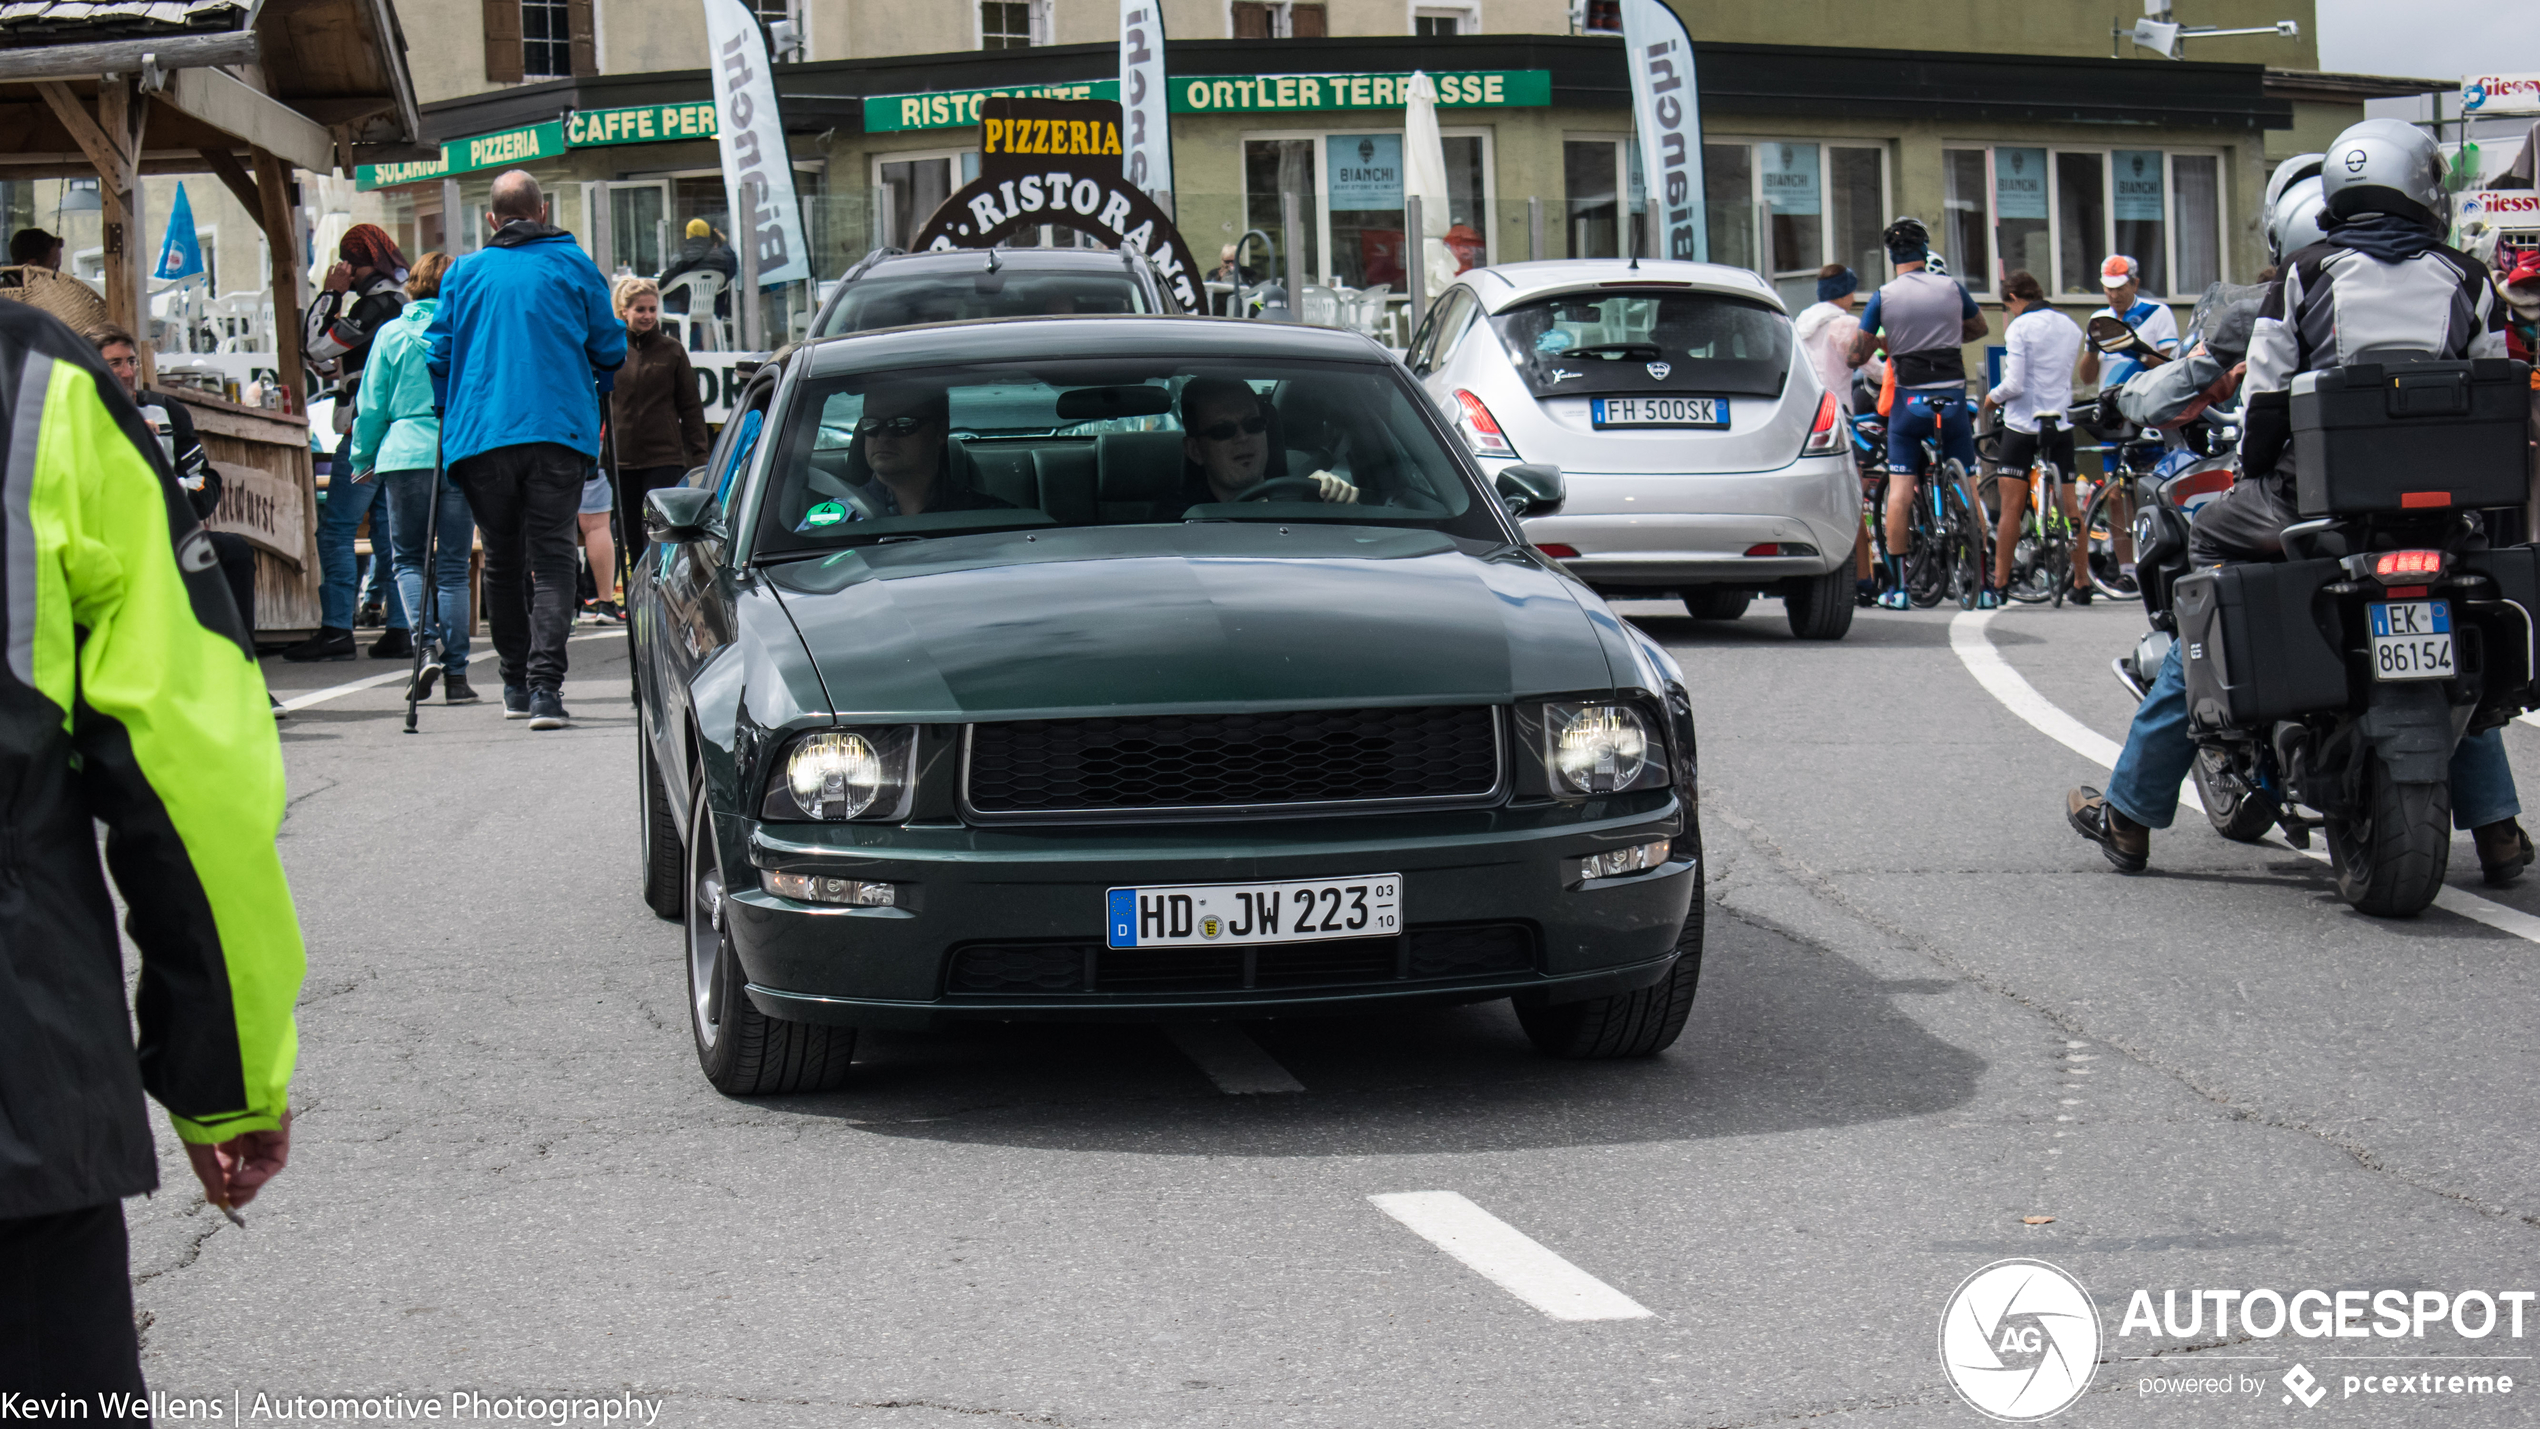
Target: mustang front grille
(1201,763)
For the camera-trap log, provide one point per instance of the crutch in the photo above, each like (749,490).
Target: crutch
(429,620)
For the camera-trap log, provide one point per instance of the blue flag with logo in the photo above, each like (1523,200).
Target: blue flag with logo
(181,256)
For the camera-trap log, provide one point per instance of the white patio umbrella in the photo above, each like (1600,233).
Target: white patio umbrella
(1424,175)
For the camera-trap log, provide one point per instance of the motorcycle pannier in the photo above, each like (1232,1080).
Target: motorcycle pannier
(2410,436)
(2254,646)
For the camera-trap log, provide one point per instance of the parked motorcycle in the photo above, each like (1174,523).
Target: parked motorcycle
(2341,678)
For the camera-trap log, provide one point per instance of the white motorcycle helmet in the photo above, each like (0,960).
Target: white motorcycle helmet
(2385,166)
(2292,171)
(2293,224)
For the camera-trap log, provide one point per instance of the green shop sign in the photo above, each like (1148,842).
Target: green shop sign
(642,124)
(1279,93)
(957,108)
(502,149)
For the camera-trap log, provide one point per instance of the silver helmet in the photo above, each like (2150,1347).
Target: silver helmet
(2292,171)
(2293,224)
(2385,166)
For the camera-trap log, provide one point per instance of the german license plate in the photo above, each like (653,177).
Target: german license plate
(1659,411)
(2412,640)
(1185,915)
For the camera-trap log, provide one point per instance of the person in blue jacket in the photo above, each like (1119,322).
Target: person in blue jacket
(522,345)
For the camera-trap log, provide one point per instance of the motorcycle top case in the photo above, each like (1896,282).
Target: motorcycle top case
(2259,643)
(2373,437)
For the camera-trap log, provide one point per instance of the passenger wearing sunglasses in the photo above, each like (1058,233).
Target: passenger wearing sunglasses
(1227,447)
(909,467)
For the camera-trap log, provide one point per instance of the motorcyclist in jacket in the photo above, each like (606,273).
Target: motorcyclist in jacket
(127,697)
(2380,283)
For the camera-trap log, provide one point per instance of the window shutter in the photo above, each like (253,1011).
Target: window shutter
(586,51)
(1252,20)
(1305,22)
(502,41)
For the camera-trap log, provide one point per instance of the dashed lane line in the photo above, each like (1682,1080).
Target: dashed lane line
(1975,651)
(1507,1257)
(1232,1059)
(405,668)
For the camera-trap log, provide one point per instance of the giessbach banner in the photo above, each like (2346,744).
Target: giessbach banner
(758,180)
(1667,112)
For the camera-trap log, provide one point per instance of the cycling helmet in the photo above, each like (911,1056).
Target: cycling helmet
(2293,224)
(1907,240)
(2292,171)
(2384,166)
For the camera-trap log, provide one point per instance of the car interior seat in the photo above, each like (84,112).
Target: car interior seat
(1138,476)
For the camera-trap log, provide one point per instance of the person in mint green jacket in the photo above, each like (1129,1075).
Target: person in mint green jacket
(396,441)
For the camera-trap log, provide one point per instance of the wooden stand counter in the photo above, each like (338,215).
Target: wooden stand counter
(268,496)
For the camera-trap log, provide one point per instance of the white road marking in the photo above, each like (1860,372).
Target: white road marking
(404,670)
(1232,1060)
(1508,1257)
(2529,717)
(1976,652)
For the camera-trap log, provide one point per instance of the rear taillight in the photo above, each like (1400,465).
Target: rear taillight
(1821,436)
(2407,567)
(1480,430)
(1558,551)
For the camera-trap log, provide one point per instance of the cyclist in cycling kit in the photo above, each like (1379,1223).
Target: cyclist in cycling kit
(1921,318)
(2037,385)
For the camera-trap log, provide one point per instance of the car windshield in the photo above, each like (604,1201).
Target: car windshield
(900,300)
(1109,442)
(1639,341)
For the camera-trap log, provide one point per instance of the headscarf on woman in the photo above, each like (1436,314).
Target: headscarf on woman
(367,245)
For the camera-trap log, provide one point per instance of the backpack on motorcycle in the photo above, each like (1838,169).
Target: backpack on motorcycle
(2407,436)
(2259,643)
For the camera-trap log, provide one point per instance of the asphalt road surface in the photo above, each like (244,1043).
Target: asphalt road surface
(1930,1015)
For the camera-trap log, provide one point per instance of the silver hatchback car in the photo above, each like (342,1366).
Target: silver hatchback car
(1701,457)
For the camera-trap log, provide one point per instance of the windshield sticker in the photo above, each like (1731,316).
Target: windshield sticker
(1554,340)
(827,513)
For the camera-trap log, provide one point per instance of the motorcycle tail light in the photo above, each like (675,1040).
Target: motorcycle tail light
(2407,567)
(1479,428)
(1821,436)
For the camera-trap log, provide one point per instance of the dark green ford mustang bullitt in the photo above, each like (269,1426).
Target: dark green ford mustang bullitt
(1138,667)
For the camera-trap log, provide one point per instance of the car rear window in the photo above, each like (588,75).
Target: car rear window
(1102,443)
(885,300)
(1629,340)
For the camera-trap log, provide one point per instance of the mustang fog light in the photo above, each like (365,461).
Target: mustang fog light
(1600,749)
(1613,863)
(812,888)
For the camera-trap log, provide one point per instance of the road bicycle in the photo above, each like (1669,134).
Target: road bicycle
(2042,557)
(1944,539)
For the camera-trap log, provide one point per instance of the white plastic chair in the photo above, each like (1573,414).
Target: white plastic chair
(699,329)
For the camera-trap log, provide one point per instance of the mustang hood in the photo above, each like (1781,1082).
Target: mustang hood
(1200,618)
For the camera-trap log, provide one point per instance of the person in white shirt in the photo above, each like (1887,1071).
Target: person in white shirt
(2123,278)
(2037,385)
(1825,330)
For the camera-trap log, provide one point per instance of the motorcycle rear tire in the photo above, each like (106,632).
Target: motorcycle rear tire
(2237,812)
(2390,863)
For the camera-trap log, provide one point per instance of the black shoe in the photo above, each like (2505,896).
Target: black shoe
(2079,595)
(328,644)
(546,709)
(395,645)
(2127,844)
(605,612)
(515,701)
(421,689)
(457,691)
(2504,851)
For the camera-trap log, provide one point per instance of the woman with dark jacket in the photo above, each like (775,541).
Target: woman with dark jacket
(658,424)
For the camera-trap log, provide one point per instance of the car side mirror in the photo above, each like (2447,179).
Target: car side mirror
(676,515)
(1530,488)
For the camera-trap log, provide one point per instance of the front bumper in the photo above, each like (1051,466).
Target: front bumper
(1507,870)
(1658,532)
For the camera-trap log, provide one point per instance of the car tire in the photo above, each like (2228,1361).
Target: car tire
(657,837)
(1716,603)
(1631,1024)
(1820,607)
(744,1052)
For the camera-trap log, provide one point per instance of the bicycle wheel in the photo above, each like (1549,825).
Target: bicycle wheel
(1966,547)
(1926,552)
(2055,538)
(2110,507)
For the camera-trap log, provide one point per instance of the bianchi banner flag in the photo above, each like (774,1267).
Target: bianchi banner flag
(1667,111)
(1146,157)
(758,180)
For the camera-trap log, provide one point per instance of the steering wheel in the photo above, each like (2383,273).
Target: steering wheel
(1282,485)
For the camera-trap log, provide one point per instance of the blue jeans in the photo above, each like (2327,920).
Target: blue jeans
(405,497)
(2158,751)
(1917,416)
(347,501)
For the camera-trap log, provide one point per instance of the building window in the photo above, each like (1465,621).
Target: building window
(1275,20)
(546,39)
(1350,204)
(1784,209)
(2059,213)
(1009,24)
(1439,26)
(772,11)
(1599,17)
(1445,21)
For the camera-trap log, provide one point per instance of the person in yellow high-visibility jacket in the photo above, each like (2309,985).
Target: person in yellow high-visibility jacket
(129,696)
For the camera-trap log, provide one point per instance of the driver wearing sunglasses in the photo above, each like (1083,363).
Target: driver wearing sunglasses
(901,439)
(1226,447)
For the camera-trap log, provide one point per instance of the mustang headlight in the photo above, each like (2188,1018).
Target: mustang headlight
(1602,749)
(835,774)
